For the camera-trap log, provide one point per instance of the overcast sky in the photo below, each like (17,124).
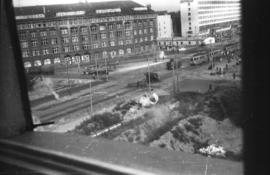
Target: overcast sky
(169,5)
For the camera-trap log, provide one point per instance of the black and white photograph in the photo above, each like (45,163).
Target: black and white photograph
(122,87)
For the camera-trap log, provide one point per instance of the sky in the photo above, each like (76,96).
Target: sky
(169,5)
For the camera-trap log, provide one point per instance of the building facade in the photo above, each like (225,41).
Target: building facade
(199,17)
(164,26)
(84,32)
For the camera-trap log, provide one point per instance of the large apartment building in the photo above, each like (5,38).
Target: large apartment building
(84,32)
(199,17)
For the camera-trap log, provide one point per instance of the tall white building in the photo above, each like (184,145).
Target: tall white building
(164,26)
(198,17)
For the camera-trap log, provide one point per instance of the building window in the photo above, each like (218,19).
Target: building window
(103,44)
(55,50)
(56,60)
(128,41)
(111,34)
(189,14)
(128,33)
(127,25)
(86,47)
(52,32)
(189,23)
(27,64)
(121,52)
(151,30)
(35,52)
(188,9)
(145,23)
(119,34)
(76,48)
(113,53)
(66,49)
(119,25)
(135,40)
(64,31)
(145,31)
(22,35)
(43,33)
(135,32)
(54,41)
(84,38)
(93,28)
(189,28)
(111,26)
(83,30)
(120,42)
(189,18)
(104,54)
(37,63)
(128,50)
(96,55)
(65,40)
(145,38)
(74,30)
(151,23)
(102,27)
(25,54)
(141,40)
(33,34)
(24,44)
(112,43)
(94,37)
(45,51)
(140,32)
(140,24)
(95,45)
(47,61)
(152,38)
(103,36)
(44,42)
(74,39)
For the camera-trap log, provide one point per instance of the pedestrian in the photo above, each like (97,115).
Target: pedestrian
(210,88)
(234,75)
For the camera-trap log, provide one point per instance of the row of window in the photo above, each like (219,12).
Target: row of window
(233,18)
(77,59)
(208,7)
(225,10)
(66,49)
(75,39)
(211,15)
(127,24)
(219,2)
(64,31)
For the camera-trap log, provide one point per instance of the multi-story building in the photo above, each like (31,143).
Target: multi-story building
(199,17)
(84,32)
(164,26)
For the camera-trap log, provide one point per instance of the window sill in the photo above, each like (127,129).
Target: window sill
(65,153)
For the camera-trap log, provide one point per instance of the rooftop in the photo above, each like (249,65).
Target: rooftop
(95,9)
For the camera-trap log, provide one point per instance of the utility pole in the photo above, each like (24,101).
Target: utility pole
(149,80)
(106,65)
(91,98)
(96,67)
(67,61)
(173,71)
